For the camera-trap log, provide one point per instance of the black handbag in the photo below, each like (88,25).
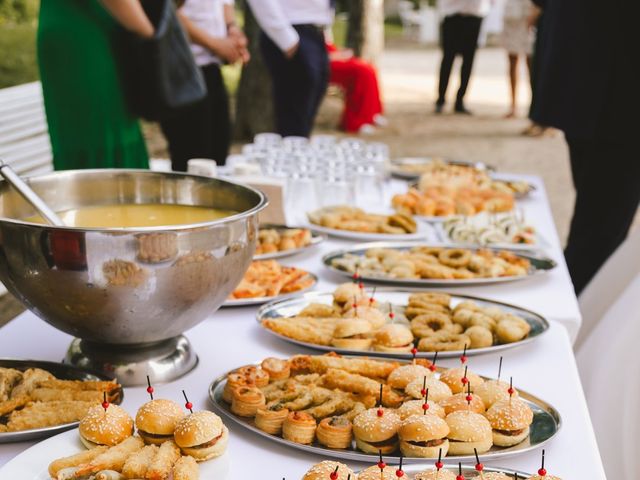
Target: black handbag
(161,75)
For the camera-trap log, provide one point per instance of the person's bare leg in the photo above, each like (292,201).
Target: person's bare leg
(513,81)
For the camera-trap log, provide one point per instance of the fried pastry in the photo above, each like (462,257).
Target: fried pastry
(335,432)
(269,419)
(112,459)
(30,379)
(75,460)
(299,427)
(137,464)
(186,468)
(41,414)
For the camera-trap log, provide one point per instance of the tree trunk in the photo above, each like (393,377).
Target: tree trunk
(365,33)
(254,103)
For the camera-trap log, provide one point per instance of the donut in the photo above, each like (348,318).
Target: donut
(455,257)
(427,324)
(480,336)
(431,297)
(512,329)
(462,316)
(443,342)
(482,320)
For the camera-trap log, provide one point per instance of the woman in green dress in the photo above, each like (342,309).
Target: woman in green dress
(89,124)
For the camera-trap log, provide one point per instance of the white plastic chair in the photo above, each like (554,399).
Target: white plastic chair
(608,284)
(609,363)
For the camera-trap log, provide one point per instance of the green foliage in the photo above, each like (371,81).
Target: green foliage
(18,58)
(18,11)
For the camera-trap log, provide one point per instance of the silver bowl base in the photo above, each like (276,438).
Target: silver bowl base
(162,362)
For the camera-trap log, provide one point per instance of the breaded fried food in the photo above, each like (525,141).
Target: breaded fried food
(41,414)
(113,459)
(9,406)
(81,458)
(361,366)
(31,378)
(186,468)
(161,465)
(55,394)
(9,378)
(351,382)
(98,385)
(305,329)
(137,464)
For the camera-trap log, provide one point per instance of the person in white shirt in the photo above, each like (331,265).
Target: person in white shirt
(203,130)
(293,48)
(460,31)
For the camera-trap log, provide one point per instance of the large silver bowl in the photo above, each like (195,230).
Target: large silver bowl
(104,285)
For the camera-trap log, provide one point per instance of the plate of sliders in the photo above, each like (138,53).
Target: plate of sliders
(352,223)
(357,408)
(277,241)
(396,323)
(164,441)
(266,281)
(382,471)
(39,399)
(414,264)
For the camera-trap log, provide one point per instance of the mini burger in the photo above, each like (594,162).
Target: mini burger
(453,378)
(345,294)
(492,476)
(352,333)
(393,337)
(424,436)
(438,390)
(404,375)
(376,430)
(468,430)
(510,420)
(323,471)
(435,475)
(493,391)
(105,427)
(459,402)
(201,435)
(156,420)
(415,407)
(546,477)
(374,473)
(371,314)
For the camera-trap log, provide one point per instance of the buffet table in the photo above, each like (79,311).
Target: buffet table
(230,338)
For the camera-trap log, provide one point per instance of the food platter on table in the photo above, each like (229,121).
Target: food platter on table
(253,401)
(244,302)
(61,372)
(423,232)
(386,298)
(342,261)
(408,168)
(283,241)
(32,464)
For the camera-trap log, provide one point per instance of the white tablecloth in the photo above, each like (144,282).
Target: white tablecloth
(231,337)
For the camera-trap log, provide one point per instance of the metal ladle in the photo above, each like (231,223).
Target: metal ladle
(29,195)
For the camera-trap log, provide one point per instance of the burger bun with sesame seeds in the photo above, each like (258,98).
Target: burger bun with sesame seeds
(323,470)
(468,430)
(424,436)
(201,435)
(156,420)
(510,421)
(375,433)
(105,427)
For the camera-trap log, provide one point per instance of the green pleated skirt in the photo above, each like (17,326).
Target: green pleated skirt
(89,124)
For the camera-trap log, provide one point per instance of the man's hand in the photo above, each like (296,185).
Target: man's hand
(226,49)
(291,52)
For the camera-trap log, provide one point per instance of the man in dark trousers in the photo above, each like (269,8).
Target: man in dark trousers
(586,86)
(294,51)
(459,36)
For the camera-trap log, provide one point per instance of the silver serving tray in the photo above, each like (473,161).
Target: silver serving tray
(316,238)
(245,302)
(546,424)
(397,164)
(468,471)
(61,371)
(540,265)
(291,307)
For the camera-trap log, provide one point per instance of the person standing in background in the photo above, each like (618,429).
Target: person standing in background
(89,123)
(293,48)
(203,130)
(459,36)
(587,87)
(517,40)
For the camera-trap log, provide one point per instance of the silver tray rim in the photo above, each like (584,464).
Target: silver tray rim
(424,229)
(316,239)
(35,433)
(246,302)
(529,254)
(398,162)
(260,315)
(364,457)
